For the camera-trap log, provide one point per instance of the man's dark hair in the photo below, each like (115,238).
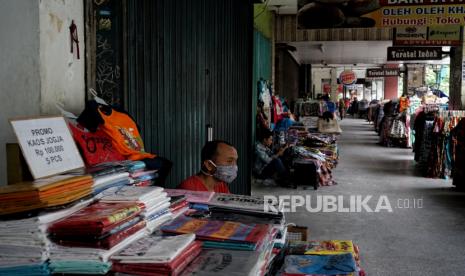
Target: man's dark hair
(265,134)
(209,150)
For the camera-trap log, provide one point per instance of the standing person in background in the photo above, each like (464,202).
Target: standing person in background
(355,106)
(341,106)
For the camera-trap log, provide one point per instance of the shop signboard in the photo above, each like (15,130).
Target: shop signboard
(347,77)
(414,53)
(382,72)
(428,36)
(47,145)
(379,13)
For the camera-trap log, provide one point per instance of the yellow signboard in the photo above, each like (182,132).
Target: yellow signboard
(394,16)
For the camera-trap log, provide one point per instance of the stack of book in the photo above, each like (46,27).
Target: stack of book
(107,226)
(332,257)
(156,202)
(156,255)
(24,245)
(221,234)
(43,193)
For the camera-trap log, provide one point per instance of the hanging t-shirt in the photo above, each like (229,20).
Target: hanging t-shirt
(195,183)
(96,147)
(277,110)
(125,135)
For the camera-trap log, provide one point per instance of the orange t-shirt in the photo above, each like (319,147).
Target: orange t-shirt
(125,136)
(195,183)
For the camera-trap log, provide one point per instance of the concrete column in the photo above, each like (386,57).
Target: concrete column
(334,84)
(456,84)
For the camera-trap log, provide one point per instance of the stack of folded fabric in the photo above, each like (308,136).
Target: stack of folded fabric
(104,182)
(192,196)
(155,200)
(144,178)
(24,246)
(42,193)
(80,260)
(108,226)
(246,209)
(178,205)
(333,257)
(156,255)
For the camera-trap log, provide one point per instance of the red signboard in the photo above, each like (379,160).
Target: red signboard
(347,77)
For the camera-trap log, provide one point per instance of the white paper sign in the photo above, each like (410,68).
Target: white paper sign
(47,145)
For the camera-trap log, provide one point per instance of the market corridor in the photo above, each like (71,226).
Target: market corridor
(409,241)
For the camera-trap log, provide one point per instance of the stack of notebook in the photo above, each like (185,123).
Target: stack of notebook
(43,193)
(107,226)
(333,257)
(24,246)
(156,255)
(155,200)
(221,234)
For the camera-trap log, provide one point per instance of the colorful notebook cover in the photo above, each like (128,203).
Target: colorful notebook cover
(341,264)
(330,247)
(218,230)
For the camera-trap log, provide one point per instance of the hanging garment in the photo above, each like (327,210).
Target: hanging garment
(95,147)
(125,135)
(458,152)
(398,130)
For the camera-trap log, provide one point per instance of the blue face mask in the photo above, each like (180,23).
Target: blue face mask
(225,173)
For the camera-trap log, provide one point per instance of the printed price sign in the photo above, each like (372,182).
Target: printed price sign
(47,145)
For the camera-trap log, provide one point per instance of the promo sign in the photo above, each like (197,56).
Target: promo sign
(414,53)
(382,72)
(347,77)
(379,13)
(424,36)
(47,145)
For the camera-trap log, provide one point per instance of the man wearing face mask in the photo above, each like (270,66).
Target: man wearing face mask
(219,168)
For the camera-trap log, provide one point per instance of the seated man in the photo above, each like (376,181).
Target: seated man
(219,168)
(269,164)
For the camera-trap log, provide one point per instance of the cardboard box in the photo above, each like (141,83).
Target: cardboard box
(16,166)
